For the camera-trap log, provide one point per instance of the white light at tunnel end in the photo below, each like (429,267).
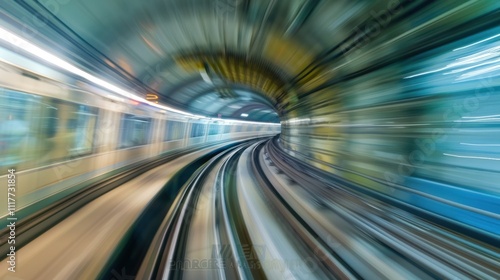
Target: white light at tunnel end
(21,43)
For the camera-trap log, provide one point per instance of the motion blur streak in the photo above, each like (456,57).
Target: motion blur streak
(251,139)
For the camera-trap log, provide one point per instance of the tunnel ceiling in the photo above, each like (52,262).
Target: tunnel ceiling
(220,57)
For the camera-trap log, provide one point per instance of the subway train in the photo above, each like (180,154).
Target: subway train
(56,131)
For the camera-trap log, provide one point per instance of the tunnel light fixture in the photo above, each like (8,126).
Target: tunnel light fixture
(483,61)
(470,157)
(244,115)
(44,55)
(54,60)
(478,42)
(204,74)
(480,145)
(482,117)
(205,77)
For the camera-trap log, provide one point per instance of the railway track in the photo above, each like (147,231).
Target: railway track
(194,227)
(248,211)
(363,230)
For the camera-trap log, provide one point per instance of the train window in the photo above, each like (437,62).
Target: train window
(197,130)
(239,128)
(227,128)
(214,129)
(50,119)
(134,131)
(174,130)
(16,121)
(36,130)
(82,124)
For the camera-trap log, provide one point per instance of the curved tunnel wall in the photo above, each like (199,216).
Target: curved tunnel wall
(412,114)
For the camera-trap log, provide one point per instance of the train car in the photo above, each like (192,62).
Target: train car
(60,132)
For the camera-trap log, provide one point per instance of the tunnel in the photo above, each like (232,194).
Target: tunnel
(250,139)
